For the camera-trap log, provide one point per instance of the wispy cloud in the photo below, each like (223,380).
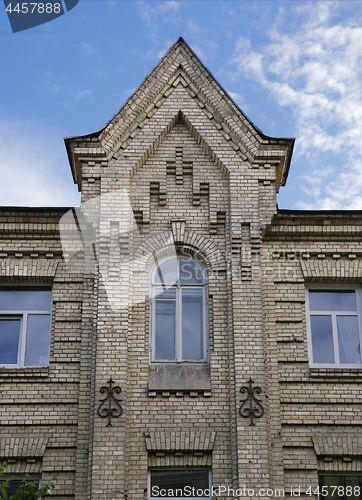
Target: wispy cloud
(155,13)
(88,49)
(84,93)
(316,71)
(149,13)
(205,48)
(193,28)
(236,96)
(33,166)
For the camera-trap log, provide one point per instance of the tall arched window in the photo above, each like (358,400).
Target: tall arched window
(179,310)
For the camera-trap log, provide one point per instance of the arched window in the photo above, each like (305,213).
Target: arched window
(179,310)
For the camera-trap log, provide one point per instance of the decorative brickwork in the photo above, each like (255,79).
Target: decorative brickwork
(201,180)
(22,447)
(180,441)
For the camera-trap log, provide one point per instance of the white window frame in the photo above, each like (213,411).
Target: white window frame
(149,497)
(179,287)
(325,288)
(23,314)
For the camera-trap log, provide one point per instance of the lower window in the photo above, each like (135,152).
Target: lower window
(180,484)
(16,484)
(338,487)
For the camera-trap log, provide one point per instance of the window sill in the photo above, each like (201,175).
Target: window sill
(336,372)
(179,377)
(30,371)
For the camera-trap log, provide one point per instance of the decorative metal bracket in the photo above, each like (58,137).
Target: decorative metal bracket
(251,405)
(110,406)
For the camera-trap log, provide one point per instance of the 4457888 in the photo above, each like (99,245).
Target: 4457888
(335,491)
(34,8)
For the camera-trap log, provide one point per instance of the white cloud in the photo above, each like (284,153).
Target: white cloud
(205,49)
(84,93)
(316,71)
(88,49)
(165,46)
(236,97)
(148,13)
(164,12)
(193,28)
(33,166)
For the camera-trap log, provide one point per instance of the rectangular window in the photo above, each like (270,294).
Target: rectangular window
(165,324)
(25,313)
(334,326)
(179,311)
(340,487)
(16,484)
(180,484)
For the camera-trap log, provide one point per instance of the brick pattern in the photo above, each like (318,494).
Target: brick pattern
(201,177)
(319,406)
(338,445)
(22,447)
(39,407)
(180,441)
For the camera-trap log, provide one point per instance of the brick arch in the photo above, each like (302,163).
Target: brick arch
(163,244)
(205,248)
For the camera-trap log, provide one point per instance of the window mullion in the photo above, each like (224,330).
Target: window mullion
(309,327)
(335,338)
(22,340)
(153,323)
(179,322)
(205,305)
(358,307)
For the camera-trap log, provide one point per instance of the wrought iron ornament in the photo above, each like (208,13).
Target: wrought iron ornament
(251,405)
(110,406)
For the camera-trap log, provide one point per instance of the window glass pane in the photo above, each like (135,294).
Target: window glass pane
(9,340)
(332,301)
(167,271)
(15,484)
(165,293)
(22,300)
(37,340)
(191,271)
(348,339)
(165,331)
(322,339)
(330,482)
(354,482)
(192,324)
(181,480)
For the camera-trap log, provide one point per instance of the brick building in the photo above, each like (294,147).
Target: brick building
(197,333)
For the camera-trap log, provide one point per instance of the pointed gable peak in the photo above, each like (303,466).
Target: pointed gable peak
(203,85)
(181,67)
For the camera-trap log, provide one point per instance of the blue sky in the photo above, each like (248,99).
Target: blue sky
(295,68)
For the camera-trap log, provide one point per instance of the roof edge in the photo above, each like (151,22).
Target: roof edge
(179,41)
(324,213)
(10,208)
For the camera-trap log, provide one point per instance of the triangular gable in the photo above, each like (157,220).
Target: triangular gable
(180,118)
(181,66)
